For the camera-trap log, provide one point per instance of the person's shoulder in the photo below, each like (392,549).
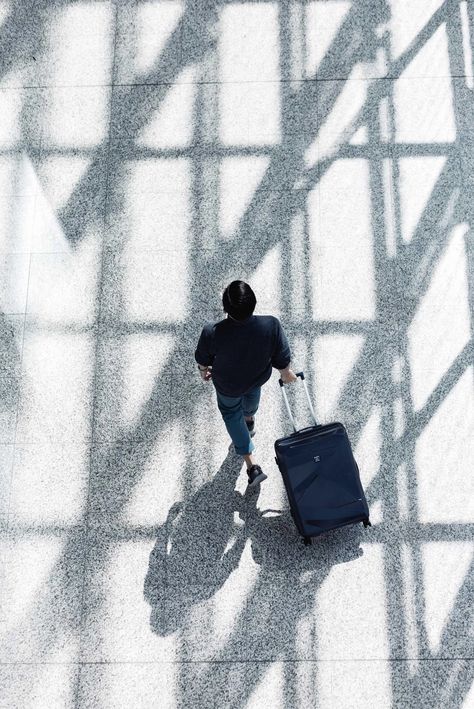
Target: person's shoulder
(219,324)
(268,321)
(210,327)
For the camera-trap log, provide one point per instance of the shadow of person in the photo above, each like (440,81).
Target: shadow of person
(275,617)
(196,550)
(202,541)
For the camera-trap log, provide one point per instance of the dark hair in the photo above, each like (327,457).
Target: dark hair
(239,300)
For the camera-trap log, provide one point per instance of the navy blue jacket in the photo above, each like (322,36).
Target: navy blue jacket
(242,353)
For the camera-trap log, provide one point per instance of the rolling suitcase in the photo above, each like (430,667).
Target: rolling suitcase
(321,476)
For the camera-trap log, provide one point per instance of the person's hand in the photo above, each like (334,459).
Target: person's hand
(206,374)
(288,376)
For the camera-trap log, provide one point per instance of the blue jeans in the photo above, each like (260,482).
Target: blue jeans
(233,410)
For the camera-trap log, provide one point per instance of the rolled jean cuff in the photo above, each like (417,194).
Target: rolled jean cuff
(240,450)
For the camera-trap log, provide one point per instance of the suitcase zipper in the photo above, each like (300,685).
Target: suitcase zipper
(301,443)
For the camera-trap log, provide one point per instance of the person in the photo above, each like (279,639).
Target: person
(237,354)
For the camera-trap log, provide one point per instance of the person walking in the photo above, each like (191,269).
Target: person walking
(237,354)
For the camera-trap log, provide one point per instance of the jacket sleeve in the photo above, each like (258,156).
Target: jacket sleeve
(204,354)
(281,356)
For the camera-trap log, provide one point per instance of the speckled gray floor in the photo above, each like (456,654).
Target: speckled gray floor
(150,152)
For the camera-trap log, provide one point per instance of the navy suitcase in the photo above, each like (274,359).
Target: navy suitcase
(321,476)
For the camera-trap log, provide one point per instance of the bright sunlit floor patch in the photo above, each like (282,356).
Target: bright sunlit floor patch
(249,39)
(266,280)
(249,100)
(49,485)
(56,394)
(161,481)
(270,689)
(122,623)
(39,684)
(138,685)
(75,116)
(335,357)
(63,287)
(432,57)
(408,20)
(152,220)
(17,175)
(155,175)
(354,684)
(11,118)
(76,56)
(240,178)
(43,605)
(58,177)
(322,22)
(418,180)
(130,370)
(154,25)
(351,607)
(342,243)
(231,601)
(249,113)
(148,279)
(445,569)
(424,110)
(5,9)
(172,124)
(444,461)
(16,225)
(440,328)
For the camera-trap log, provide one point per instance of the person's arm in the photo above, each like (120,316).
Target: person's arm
(281,358)
(203,355)
(205,372)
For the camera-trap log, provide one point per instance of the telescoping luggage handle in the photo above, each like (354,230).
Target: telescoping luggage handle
(287,404)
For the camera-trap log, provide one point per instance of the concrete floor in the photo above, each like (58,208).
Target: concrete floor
(150,152)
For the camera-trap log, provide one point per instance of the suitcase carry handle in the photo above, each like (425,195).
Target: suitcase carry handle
(287,404)
(298,374)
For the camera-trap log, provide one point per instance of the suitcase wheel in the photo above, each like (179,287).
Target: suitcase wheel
(366,523)
(307,541)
